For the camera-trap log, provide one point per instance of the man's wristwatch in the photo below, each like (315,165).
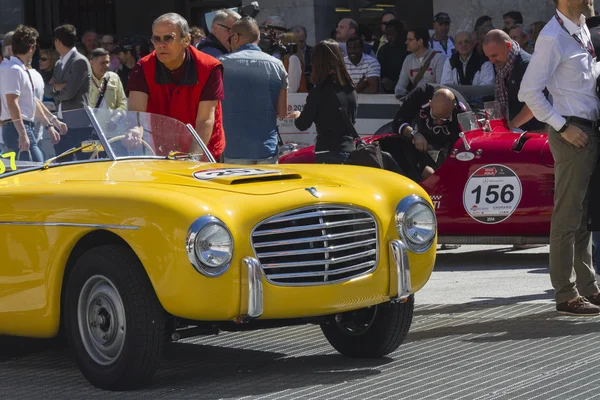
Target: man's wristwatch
(564,128)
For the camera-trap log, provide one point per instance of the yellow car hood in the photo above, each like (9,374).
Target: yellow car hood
(254,180)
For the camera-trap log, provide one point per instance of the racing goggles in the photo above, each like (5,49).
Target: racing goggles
(447,119)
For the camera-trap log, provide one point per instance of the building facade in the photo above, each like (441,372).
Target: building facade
(129,17)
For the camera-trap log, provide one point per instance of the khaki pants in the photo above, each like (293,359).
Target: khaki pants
(571,269)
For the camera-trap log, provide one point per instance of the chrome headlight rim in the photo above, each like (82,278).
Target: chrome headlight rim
(190,245)
(405,205)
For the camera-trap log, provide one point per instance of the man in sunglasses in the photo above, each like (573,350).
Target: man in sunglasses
(178,81)
(216,43)
(433,111)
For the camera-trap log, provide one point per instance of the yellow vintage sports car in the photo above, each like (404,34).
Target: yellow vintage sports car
(138,237)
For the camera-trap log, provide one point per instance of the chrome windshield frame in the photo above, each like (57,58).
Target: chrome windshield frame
(109,151)
(210,157)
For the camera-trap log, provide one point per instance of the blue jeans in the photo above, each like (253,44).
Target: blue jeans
(596,253)
(11,140)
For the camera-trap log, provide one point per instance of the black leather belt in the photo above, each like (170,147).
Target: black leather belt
(582,121)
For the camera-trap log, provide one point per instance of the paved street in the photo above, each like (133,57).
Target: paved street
(485,328)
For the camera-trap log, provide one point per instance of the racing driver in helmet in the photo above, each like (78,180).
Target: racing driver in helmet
(434,110)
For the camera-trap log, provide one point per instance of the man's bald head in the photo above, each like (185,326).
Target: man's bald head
(496,36)
(464,44)
(442,104)
(497,46)
(246,31)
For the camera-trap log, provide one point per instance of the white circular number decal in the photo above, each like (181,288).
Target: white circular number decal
(209,174)
(492,194)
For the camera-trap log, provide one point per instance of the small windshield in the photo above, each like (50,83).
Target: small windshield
(102,134)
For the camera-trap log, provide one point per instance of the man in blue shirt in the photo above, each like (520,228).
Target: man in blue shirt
(255,86)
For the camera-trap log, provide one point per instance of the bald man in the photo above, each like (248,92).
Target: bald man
(466,67)
(347,28)
(511,63)
(434,110)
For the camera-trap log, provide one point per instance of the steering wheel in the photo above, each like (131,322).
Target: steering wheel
(144,143)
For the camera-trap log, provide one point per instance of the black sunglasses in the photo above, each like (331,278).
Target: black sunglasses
(168,39)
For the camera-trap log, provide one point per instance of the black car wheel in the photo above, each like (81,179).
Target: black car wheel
(371,332)
(113,319)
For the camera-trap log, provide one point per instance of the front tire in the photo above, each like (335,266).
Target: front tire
(373,332)
(113,319)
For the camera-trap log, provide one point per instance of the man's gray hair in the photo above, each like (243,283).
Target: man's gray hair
(7,41)
(524,29)
(175,19)
(222,15)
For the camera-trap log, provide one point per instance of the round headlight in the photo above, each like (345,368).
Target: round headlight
(416,223)
(210,246)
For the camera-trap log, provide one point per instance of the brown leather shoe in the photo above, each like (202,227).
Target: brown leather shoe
(594,299)
(581,306)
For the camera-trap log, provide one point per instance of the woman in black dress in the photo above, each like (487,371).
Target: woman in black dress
(333,86)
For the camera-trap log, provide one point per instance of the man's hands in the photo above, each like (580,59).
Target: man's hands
(420,142)
(133,138)
(61,126)
(575,136)
(23,142)
(293,115)
(362,84)
(59,86)
(54,135)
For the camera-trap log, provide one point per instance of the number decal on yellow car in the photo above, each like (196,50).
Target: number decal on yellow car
(13,165)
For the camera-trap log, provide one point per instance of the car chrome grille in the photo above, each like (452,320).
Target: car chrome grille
(316,245)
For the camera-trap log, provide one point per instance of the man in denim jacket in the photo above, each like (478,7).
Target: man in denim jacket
(255,86)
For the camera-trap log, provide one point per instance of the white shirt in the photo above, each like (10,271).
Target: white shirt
(368,66)
(38,92)
(14,79)
(63,60)
(437,46)
(294,73)
(569,72)
(485,75)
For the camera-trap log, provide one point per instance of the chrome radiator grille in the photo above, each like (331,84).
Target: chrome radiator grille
(316,245)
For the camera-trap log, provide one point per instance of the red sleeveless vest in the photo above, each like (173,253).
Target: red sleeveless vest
(181,102)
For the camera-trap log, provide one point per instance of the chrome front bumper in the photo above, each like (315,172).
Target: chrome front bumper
(400,286)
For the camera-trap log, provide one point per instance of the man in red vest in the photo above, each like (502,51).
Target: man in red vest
(180,82)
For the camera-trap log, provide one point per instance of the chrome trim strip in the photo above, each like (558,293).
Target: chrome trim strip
(329,249)
(323,238)
(335,260)
(322,213)
(359,209)
(204,148)
(255,287)
(400,257)
(72,224)
(323,273)
(314,227)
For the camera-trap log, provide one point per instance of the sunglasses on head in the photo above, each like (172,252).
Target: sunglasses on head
(168,39)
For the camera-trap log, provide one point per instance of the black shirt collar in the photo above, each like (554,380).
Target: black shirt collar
(190,76)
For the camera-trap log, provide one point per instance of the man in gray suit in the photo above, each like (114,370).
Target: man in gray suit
(70,87)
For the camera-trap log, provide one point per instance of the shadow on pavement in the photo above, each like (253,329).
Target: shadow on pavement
(212,369)
(491,260)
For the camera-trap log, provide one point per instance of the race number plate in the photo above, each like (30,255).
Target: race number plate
(209,174)
(492,194)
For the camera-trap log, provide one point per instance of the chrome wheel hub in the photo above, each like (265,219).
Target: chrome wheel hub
(101,319)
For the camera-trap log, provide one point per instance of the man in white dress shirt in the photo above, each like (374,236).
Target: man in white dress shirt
(564,62)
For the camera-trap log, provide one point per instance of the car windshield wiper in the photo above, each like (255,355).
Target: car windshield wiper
(180,155)
(66,153)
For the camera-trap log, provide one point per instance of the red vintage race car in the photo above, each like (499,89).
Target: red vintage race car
(495,187)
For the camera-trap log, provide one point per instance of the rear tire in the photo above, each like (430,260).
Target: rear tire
(113,319)
(373,332)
